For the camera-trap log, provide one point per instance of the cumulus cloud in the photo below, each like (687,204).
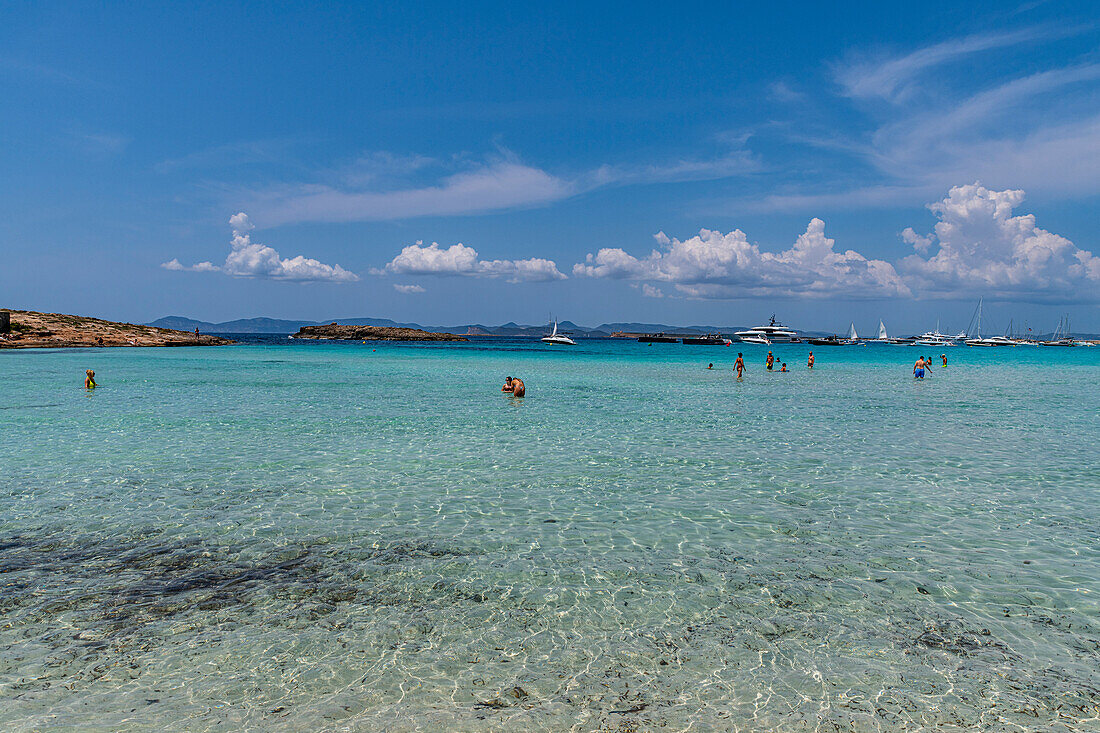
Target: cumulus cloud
(408,289)
(716,265)
(177,266)
(919,242)
(982,249)
(458,259)
(252,259)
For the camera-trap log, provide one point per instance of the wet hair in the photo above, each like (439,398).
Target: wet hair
(507,379)
(739,353)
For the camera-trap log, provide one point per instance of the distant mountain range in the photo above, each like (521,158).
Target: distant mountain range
(279,326)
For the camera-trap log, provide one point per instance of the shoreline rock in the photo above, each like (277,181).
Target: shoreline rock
(34,330)
(338,332)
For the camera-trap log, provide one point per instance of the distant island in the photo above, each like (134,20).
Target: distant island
(348,332)
(34,330)
(505,330)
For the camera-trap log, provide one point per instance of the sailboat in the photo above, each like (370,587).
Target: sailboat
(853,337)
(1061,334)
(557,338)
(976,339)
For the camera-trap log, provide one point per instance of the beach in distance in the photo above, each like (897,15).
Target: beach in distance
(287,534)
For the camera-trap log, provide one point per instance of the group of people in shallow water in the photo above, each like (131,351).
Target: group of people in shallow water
(925,362)
(769,363)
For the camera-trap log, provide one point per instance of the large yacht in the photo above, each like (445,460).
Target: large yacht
(773,333)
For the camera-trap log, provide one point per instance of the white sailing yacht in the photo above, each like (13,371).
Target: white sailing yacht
(853,337)
(557,338)
(976,339)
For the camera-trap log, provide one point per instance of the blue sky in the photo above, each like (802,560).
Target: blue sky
(698,163)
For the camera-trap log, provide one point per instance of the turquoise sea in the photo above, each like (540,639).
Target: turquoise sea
(337,536)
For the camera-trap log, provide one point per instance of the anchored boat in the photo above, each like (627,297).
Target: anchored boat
(557,338)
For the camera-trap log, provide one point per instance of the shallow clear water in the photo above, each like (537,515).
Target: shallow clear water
(362,537)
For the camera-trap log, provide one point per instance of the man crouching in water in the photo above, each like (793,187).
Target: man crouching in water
(514,386)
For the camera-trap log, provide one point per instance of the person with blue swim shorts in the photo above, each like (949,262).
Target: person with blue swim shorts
(918,368)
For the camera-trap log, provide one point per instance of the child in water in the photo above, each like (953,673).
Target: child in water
(783,368)
(89,379)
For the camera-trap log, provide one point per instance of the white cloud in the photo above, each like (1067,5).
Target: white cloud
(408,289)
(982,249)
(781,91)
(175,265)
(716,265)
(458,259)
(650,291)
(494,187)
(379,186)
(954,115)
(254,260)
(919,242)
(888,78)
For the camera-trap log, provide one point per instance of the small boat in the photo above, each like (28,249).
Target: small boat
(657,338)
(827,341)
(557,338)
(756,339)
(709,339)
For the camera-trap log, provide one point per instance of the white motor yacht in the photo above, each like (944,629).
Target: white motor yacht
(773,333)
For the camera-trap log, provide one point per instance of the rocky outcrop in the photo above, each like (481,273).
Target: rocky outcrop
(335,331)
(33,330)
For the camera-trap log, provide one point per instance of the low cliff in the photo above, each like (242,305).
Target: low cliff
(335,331)
(33,330)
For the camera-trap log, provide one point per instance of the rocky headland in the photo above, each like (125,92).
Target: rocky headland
(338,332)
(33,330)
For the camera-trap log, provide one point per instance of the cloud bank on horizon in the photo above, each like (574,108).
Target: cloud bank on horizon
(978,247)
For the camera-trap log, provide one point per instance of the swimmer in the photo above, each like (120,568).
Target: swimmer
(918,368)
(770,361)
(710,366)
(514,386)
(783,368)
(89,379)
(944,357)
(810,361)
(739,365)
